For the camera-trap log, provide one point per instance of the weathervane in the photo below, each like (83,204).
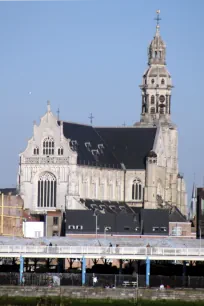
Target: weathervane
(158,17)
(91,117)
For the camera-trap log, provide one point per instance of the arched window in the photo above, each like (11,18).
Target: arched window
(152,99)
(162,82)
(152,110)
(47,190)
(161,110)
(102,191)
(60,151)
(137,190)
(36,151)
(152,81)
(48,146)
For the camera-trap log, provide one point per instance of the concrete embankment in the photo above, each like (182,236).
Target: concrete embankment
(99,293)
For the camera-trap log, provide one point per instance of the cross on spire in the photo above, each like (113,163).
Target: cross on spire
(91,117)
(158,17)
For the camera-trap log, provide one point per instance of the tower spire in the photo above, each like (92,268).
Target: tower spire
(157,84)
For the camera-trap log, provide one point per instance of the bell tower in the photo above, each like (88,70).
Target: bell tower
(156,83)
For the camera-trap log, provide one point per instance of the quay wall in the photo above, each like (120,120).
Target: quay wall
(100,293)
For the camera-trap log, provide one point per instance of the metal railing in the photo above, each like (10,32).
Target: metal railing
(99,250)
(117,280)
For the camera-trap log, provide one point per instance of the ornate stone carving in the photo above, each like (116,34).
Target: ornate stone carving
(47,160)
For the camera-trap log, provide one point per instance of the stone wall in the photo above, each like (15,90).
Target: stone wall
(99,293)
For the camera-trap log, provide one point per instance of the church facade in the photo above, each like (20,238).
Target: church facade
(65,164)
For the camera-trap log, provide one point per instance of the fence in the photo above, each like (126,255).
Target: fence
(117,280)
(97,251)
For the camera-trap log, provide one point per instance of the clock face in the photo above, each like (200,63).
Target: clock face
(161,99)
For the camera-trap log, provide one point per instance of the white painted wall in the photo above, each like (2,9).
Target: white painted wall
(33,229)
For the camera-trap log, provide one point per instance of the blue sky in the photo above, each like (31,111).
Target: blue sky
(89,56)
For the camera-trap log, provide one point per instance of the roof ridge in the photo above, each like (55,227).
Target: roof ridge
(72,122)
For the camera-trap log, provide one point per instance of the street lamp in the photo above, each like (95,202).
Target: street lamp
(200,236)
(106,228)
(96,215)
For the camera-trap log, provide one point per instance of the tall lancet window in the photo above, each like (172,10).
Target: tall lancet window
(137,193)
(102,191)
(94,191)
(152,99)
(48,146)
(47,190)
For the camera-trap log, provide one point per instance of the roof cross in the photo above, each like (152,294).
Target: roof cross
(158,17)
(91,117)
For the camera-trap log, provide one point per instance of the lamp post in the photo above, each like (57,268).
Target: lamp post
(200,236)
(96,226)
(96,215)
(105,230)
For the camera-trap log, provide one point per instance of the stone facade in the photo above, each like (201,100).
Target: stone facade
(51,179)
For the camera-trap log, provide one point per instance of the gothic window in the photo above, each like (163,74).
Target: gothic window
(137,190)
(94,191)
(152,81)
(102,191)
(152,99)
(162,82)
(85,189)
(152,110)
(60,151)
(117,191)
(47,190)
(36,151)
(48,146)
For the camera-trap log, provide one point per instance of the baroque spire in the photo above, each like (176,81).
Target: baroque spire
(157,47)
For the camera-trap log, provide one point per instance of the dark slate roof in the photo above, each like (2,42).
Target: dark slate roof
(130,145)
(110,147)
(86,134)
(176,216)
(107,206)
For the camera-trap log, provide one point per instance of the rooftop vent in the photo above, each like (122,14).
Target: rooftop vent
(95,152)
(101,147)
(88,146)
(73,145)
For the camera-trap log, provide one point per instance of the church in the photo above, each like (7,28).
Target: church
(67,165)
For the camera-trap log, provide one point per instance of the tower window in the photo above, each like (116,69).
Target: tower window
(60,151)
(161,110)
(48,146)
(47,190)
(137,190)
(152,99)
(162,82)
(152,110)
(162,99)
(152,81)
(36,151)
